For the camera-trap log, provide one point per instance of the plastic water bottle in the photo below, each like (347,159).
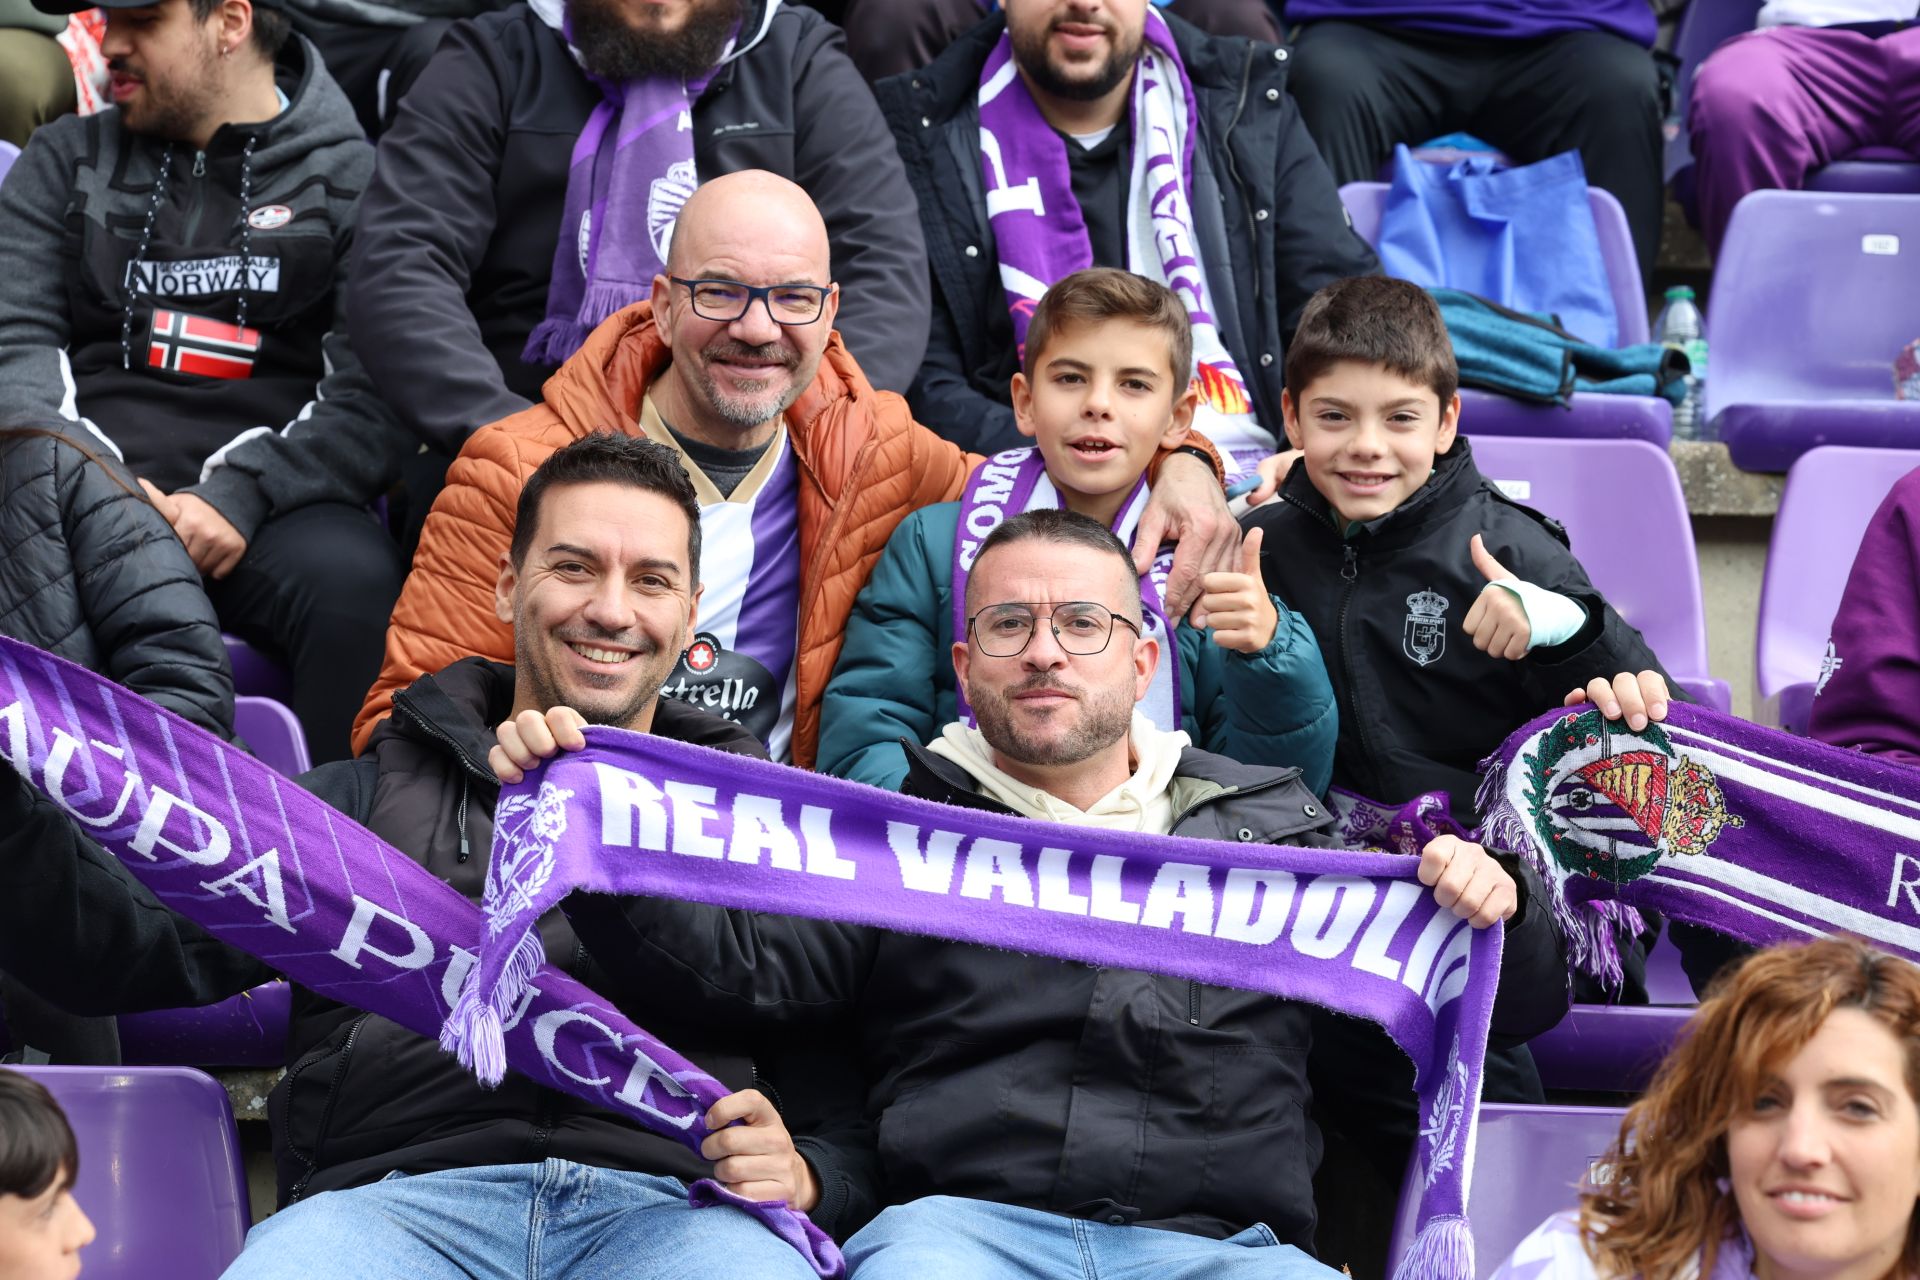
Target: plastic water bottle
(1681,325)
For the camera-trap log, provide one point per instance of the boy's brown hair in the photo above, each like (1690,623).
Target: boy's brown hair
(1101,294)
(1374,320)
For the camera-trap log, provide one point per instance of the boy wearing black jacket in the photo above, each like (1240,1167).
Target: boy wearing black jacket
(1449,614)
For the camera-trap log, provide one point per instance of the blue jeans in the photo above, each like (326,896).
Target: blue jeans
(515,1222)
(948,1238)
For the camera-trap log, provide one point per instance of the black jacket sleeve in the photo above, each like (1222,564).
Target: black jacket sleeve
(141,595)
(947,403)
(1534,993)
(425,223)
(79,930)
(1314,240)
(845,158)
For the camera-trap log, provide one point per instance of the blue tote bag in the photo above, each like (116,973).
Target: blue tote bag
(1523,237)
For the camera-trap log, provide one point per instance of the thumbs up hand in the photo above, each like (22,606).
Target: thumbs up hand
(1236,605)
(1497,624)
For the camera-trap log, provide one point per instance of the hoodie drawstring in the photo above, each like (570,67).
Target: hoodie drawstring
(140,254)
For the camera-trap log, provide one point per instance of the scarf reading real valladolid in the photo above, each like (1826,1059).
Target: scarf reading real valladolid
(1752,832)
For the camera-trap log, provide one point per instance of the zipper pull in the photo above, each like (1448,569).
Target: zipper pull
(1349,563)
(199,164)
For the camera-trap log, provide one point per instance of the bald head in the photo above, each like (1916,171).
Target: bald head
(751,216)
(732,378)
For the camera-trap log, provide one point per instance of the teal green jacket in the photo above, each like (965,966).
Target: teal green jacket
(895,675)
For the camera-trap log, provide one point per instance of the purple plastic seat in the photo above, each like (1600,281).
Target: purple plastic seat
(1813,297)
(273,732)
(1830,498)
(254,672)
(1887,170)
(8,154)
(1607,1048)
(1645,567)
(1527,1165)
(1666,981)
(1593,417)
(247,1030)
(160,1171)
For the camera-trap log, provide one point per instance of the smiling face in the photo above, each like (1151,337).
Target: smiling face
(1826,1166)
(1047,707)
(1080,50)
(730,382)
(163,68)
(41,1236)
(1100,404)
(602,605)
(1369,436)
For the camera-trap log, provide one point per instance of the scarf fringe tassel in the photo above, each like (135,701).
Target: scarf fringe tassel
(474,1031)
(1442,1251)
(555,339)
(1592,929)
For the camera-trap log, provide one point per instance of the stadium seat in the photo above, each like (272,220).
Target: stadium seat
(1607,1048)
(8,154)
(1667,982)
(1812,301)
(1830,497)
(273,732)
(255,673)
(1645,567)
(160,1171)
(1527,1164)
(247,1030)
(1607,417)
(1887,170)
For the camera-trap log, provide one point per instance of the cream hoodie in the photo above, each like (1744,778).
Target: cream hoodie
(1138,804)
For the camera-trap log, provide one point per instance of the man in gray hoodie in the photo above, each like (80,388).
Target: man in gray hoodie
(170,284)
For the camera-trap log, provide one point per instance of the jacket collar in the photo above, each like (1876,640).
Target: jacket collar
(1455,478)
(457,708)
(936,778)
(601,385)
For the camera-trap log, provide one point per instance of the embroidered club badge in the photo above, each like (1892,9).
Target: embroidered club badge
(1609,802)
(1424,639)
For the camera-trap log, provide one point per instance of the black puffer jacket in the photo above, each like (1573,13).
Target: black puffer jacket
(1420,707)
(90,571)
(1267,216)
(362,1096)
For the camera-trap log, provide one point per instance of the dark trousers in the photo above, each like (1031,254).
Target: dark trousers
(316,588)
(1362,89)
(374,66)
(887,37)
(39,1031)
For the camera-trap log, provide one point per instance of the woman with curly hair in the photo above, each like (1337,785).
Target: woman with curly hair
(1780,1140)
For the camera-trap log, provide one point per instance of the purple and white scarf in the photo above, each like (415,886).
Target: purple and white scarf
(1757,834)
(267,867)
(1016,481)
(1041,235)
(632,170)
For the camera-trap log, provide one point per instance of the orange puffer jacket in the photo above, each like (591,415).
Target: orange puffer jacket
(864,465)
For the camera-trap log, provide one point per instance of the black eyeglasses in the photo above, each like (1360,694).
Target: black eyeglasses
(1081,628)
(724,301)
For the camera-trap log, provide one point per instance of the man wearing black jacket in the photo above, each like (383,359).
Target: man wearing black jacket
(393,1161)
(1267,227)
(457,257)
(1029,1108)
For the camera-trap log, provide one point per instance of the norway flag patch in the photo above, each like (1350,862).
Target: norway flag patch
(183,343)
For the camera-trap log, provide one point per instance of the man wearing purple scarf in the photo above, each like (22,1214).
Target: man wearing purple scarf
(393,1161)
(530,181)
(1039,1120)
(1531,77)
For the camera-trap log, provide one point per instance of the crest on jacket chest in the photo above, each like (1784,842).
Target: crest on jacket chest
(1424,637)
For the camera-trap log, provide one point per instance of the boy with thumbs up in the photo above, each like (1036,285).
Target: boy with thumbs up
(1451,613)
(1105,384)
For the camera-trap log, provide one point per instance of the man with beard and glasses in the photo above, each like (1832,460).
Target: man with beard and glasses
(394,1162)
(529,186)
(171,280)
(1064,134)
(802,468)
(1037,1119)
